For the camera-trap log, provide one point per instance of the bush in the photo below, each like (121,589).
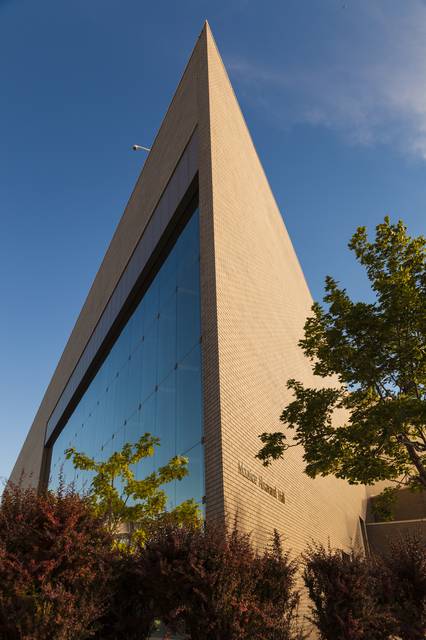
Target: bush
(62,577)
(54,566)
(221,588)
(206,584)
(130,614)
(202,581)
(403,576)
(275,579)
(346,596)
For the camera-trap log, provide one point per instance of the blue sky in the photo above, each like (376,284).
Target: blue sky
(334,94)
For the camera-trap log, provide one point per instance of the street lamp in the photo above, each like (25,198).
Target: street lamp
(138,147)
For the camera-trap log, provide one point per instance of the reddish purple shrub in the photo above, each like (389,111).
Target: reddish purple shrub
(275,577)
(130,614)
(206,584)
(402,572)
(54,566)
(215,586)
(346,597)
(202,579)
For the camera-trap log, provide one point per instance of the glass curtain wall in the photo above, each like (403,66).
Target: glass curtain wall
(149,382)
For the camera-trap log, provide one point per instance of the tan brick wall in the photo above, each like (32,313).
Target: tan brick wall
(262,303)
(209,327)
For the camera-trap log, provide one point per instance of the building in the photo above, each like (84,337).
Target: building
(190,330)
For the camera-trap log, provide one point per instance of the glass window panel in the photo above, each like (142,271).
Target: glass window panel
(167,338)
(150,305)
(189,430)
(147,424)
(106,450)
(132,431)
(150,380)
(121,398)
(192,486)
(166,431)
(115,359)
(168,279)
(166,420)
(124,343)
(137,328)
(91,429)
(149,415)
(105,428)
(120,436)
(84,440)
(92,393)
(101,381)
(188,276)
(188,322)
(188,242)
(134,380)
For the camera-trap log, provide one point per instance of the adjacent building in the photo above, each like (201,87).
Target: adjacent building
(190,332)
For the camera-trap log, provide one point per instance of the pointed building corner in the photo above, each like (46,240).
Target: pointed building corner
(256,314)
(205,34)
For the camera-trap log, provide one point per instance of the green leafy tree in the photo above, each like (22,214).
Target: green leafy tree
(129,506)
(377,350)
(383,505)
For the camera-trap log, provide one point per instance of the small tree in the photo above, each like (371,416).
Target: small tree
(345,597)
(377,351)
(122,501)
(55,559)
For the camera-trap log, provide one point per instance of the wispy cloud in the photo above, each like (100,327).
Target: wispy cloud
(369,83)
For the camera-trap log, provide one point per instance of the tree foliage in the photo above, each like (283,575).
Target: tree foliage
(383,505)
(377,353)
(55,557)
(126,503)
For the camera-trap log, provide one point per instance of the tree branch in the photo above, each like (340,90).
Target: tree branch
(415,458)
